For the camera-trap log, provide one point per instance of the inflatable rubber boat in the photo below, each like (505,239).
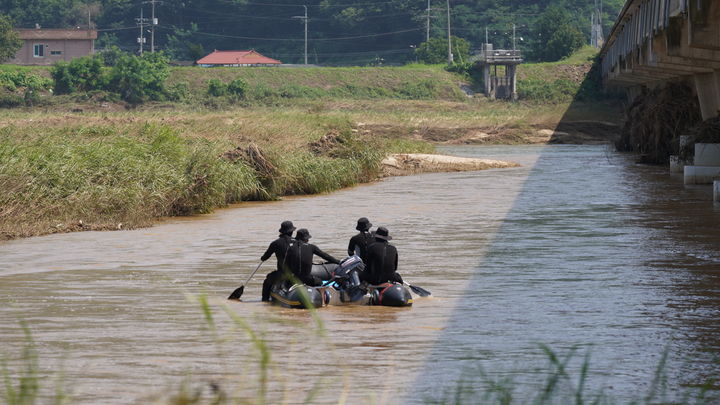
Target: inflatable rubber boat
(341,286)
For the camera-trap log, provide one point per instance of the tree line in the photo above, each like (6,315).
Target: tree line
(371,32)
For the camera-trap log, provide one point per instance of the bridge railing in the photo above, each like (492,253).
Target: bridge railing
(646,19)
(498,56)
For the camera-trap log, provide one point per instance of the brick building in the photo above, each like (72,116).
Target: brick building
(47,46)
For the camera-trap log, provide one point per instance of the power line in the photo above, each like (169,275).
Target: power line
(231,16)
(313,39)
(321,5)
(116,29)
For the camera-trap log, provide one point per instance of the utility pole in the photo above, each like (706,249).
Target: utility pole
(153,22)
(141,22)
(304,18)
(513,36)
(450,55)
(427,34)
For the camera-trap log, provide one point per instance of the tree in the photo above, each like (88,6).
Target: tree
(556,35)
(80,74)
(436,50)
(140,78)
(10,43)
(182,46)
(564,41)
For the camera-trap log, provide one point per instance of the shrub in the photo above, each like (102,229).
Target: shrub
(140,78)
(10,100)
(112,55)
(11,80)
(435,50)
(541,90)
(299,91)
(179,91)
(216,88)
(261,91)
(238,88)
(80,74)
(421,89)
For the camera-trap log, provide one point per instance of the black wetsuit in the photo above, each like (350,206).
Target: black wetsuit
(300,260)
(360,241)
(381,263)
(280,247)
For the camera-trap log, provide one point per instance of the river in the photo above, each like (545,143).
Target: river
(579,249)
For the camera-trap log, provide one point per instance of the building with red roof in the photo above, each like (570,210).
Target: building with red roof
(237,58)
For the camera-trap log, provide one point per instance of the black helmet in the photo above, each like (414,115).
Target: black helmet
(363,224)
(382,233)
(303,235)
(286,227)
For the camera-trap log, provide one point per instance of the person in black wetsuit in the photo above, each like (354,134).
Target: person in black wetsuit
(301,258)
(359,243)
(280,248)
(382,260)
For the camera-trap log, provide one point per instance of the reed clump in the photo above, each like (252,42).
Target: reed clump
(63,182)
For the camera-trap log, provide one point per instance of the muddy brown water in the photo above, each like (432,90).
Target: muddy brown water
(579,249)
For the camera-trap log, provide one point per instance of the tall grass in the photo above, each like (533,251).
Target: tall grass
(113,180)
(120,177)
(558,382)
(23,386)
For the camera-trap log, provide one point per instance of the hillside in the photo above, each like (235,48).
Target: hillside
(339,32)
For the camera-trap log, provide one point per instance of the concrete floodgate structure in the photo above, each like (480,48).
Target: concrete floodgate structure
(496,86)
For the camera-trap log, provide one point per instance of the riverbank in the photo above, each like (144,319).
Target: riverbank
(98,170)
(88,161)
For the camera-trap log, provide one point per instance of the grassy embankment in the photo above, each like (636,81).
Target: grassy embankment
(83,161)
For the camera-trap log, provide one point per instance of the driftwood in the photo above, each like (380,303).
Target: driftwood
(656,119)
(707,132)
(326,144)
(254,157)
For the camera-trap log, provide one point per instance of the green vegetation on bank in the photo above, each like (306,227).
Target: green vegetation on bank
(123,176)
(87,160)
(114,76)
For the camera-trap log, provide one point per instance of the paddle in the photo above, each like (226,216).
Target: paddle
(239,291)
(418,290)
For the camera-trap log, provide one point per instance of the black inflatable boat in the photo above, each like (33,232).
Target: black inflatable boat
(341,286)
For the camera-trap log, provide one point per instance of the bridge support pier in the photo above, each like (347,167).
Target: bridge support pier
(707,87)
(706,167)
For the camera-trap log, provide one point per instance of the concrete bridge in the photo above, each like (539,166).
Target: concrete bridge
(657,41)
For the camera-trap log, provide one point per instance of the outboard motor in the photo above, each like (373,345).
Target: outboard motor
(348,271)
(347,277)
